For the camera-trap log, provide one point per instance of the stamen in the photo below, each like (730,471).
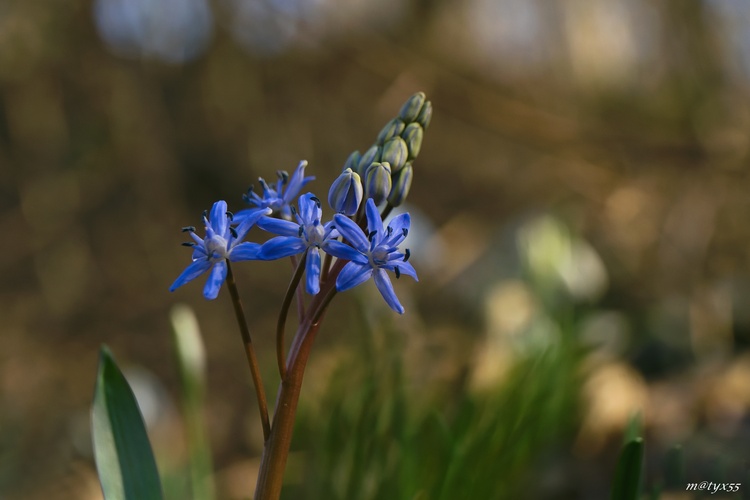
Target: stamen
(397,271)
(188,244)
(246,197)
(188,229)
(389,230)
(283,176)
(263,184)
(404,231)
(407,254)
(232,231)
(316,200)
(294,211)
(205,214)
(371,235)
(299,233)
(230,216)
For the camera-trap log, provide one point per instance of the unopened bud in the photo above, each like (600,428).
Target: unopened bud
(392,129)
(395,152)
(370,156)
(413,134)
(425,115)
(345,194)
(352,161)
(378,182)
(401,185)
(410,109)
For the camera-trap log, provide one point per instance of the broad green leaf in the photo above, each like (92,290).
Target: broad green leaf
(126,465)
(626,485)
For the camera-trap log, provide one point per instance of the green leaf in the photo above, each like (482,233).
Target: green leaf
(126,465)
(627,481)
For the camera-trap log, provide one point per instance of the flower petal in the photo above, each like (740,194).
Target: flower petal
(312,271)
(215,278)
(352,275)
(383,282)
(278,226)
(343,251)
(192,271)
(351,232)
(248,219)
(403,268)
(296,182)
(244,251)
(218,218)
(281,246)
(399,225)
(309,208)
(374,222)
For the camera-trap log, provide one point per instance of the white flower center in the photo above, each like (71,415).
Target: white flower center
(216,247)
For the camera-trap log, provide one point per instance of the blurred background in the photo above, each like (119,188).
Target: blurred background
(580,233)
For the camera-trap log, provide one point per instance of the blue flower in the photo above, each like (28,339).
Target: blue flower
(277,199)
(373,254)
(306,235)
(222,242)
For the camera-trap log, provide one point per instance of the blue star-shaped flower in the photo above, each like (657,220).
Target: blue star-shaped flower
(373,254)
(278,199)
(308,234)
(222,243)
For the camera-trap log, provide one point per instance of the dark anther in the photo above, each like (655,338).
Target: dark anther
(389,230)
(188,229)
(233,232)
(397,271)
(245,198)
(230,215)
(263,184)
(371,235)
(407,254)
(283,176)
(188,244)
(294,211)
(299,233)
(205,214)
(405,231)
(316,200)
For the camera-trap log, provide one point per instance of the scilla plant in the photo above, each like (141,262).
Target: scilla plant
(334,255)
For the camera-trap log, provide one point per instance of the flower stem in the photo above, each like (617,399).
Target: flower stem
(290,292)
(276,451)
(252,361)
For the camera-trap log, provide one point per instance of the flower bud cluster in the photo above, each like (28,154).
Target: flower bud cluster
(394,152)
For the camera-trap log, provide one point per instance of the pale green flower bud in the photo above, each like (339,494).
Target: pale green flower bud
(392,129)
(371,156)
(401,185)
(395,152)
(425,115)
(410,109)
(413,134)
(353,160)
(345,194)
(378,181)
